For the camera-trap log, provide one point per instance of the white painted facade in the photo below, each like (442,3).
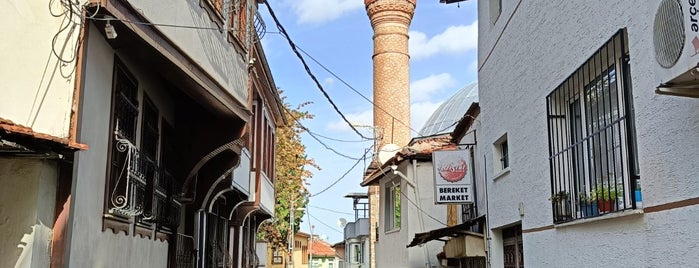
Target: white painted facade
(531,48)
(27,199)
(37,89)
(391,248)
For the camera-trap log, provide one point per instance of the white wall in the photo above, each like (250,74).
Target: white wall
(391,248)
(27,199)
(543,44)
(89,245)
(37,89)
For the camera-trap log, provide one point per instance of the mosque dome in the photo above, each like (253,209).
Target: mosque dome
(445,118)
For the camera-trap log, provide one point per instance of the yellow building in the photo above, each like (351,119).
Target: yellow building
(278,258)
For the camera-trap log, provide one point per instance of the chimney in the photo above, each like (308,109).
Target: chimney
(390,20)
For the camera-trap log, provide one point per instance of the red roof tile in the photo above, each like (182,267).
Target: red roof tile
(10,128)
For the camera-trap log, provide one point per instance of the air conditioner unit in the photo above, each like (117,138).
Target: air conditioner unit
(676,44)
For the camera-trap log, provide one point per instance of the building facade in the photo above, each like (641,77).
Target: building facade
(588,164)
(175,122)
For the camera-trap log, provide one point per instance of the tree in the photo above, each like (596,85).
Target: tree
(290,184)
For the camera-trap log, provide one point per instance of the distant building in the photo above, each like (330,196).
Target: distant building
(356,233)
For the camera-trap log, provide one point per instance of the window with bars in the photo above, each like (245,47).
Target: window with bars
(393,206)
(592,138)
(141,163)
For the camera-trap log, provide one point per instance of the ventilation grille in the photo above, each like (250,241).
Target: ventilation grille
(668,33)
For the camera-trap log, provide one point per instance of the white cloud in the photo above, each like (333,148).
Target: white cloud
(420,112)
(328,82)
(455,39)
(320,11)
(423,89)
(364,118)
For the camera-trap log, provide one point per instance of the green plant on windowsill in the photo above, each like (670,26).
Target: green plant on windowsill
(560,196)
(561,206)
(607,196)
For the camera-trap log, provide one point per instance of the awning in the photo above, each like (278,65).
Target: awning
(684,85)
(439,234)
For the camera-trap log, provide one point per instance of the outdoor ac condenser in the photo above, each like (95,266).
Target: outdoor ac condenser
(676,44)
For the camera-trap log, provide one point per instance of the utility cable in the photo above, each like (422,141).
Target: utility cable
(327,209)
(354,89)
(344,175)
(325,224)
(167,25)
(416,206)
(308,69)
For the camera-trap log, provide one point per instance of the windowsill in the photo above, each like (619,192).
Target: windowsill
(392,231)
(501,173)
(609,216)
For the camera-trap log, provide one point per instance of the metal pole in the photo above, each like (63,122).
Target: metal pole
(310,248)
(289,264)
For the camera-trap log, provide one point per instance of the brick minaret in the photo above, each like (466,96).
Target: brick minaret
(390,20)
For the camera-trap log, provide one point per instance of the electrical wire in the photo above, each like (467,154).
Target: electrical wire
(327,209)
(414,204)
(325,224)
(168,25)
(354,89)
(345,174)
(308,69)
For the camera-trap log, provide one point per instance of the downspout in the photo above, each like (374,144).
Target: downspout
(422,220)
(488,239)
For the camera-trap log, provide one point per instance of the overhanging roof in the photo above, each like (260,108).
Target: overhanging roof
(453,231)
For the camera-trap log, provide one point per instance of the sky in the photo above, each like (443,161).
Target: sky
(337,34)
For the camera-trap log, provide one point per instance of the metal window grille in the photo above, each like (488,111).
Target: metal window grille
(591,137)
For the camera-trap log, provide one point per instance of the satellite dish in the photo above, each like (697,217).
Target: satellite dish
(388,151)
(341,222)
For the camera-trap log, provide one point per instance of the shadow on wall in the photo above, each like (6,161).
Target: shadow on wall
(219,52)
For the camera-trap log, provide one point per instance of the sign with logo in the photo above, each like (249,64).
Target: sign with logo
(452,177)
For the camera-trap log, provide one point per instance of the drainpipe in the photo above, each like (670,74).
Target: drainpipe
(417,201)
(488,239)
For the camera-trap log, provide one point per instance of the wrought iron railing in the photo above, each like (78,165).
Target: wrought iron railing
(128,192)
(185,254)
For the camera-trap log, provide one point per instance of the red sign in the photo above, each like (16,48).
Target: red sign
(453,171)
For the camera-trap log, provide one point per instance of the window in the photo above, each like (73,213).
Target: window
(215,10)
(356,253)
(238,29)
(276,257)
(393,206)
(501,154)
(495,10)
(141,159)
(592,138)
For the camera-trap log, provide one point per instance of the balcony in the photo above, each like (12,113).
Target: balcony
(241,175)
(266,194)
(357,228)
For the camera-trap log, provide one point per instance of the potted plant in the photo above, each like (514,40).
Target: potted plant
(561,206)
(588,204)
(607,196)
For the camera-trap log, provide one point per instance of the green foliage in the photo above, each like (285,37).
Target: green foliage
(290,182)
(606,193)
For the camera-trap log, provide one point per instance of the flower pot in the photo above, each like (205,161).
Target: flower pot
(606,205)
(589,209)
(562,211)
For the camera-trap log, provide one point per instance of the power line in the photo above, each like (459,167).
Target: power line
(308,69)
(355,90)
(169,25)
(327,209)
(343,175)
(416,205)
(325,224)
